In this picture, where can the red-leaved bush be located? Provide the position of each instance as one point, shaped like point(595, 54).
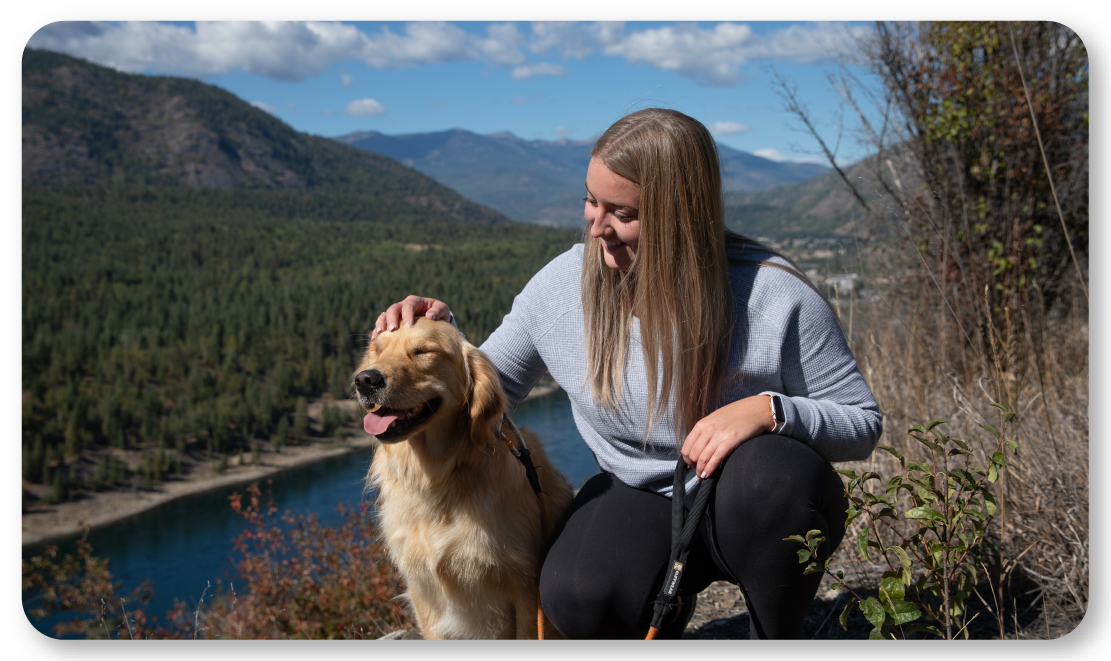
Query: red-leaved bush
point(303, 580)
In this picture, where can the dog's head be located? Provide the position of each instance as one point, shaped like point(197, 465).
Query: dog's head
point(427, 377)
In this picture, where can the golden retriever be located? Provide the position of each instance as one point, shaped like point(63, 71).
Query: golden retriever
point(457, 513)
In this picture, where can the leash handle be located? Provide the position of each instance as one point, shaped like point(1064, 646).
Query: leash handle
point(683, 530)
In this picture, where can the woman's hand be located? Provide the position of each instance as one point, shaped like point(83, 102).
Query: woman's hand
point(721, 432)
point(407, 311)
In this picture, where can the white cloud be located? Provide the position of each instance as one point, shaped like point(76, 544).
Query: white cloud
point(345, 78)
point(519, 101)
point(726, 128)
point(771, 155)
point(810, 44)
point(527, 71)
point(779, 157)
point(286, 51)
point(714, 56)
point(365, 108)
point(422, 43)
point(264, 106)
point(283, 51)
point(709, 56)
point(561, 131)
point(571, 39)
point(289, 106)
point(502, 45)
point(294, 51)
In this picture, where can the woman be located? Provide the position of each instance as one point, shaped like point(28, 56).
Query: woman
point(668, 333)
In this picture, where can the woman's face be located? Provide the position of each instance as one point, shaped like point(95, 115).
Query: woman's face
point(612, 209)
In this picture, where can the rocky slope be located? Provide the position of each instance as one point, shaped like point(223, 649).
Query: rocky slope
point(87, 124)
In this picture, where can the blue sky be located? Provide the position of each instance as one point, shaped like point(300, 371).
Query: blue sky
point(537, 80)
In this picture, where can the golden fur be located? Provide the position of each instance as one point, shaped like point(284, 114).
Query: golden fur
point(456, 511)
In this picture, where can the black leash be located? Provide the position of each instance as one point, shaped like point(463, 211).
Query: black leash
point(523, 455)
point(683, 529)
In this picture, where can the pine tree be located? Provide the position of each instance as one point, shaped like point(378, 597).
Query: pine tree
point(301, 419)
point(100, 473)
point(159, 462)
point(282, 434)
point(73, 436)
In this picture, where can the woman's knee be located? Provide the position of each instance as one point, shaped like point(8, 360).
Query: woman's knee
point(572, 604)
point(600, 570)
point(772, 479)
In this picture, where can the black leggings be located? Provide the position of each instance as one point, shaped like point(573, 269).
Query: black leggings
point(608, 556)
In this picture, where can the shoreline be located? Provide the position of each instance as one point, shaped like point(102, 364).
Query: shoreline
point(99, 509)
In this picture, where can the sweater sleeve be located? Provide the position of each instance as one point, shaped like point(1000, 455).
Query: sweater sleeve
point(826, 402)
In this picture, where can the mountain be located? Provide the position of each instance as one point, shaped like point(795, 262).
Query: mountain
point(742, 172)
point(530, 181)
point(823, 206)
point(88, 124)
point(541, 181)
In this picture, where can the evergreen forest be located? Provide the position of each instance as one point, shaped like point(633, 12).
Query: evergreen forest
point(201, 320)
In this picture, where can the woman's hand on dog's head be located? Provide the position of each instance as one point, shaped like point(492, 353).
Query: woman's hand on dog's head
point(407, 311)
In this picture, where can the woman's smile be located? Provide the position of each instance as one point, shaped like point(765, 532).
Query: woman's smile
point(613, 211)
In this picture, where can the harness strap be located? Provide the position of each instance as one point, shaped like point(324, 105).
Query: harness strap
point(525, 457)
point(683, 530)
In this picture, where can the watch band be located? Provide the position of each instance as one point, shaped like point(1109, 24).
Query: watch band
point(779, 416)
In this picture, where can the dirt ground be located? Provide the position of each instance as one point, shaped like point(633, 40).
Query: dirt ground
point(721, 614)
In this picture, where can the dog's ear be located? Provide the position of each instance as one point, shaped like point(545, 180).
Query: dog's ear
point(485, 396)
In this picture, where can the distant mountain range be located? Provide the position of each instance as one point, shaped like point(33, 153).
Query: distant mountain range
point(824, 206)
point(88, 124)
point(541, 181)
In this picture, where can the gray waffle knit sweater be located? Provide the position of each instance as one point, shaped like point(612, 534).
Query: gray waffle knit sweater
point(787, 341)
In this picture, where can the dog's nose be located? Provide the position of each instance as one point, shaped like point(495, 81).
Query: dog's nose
point(368, 380)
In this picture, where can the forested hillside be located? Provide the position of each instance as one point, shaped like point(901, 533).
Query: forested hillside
point(194, 270)
point(194, 320)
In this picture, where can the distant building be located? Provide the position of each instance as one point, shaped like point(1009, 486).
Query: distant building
point(842, 283)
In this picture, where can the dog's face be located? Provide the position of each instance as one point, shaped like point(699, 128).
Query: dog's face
point(417, 378)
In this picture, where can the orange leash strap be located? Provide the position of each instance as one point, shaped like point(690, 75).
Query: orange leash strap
point(544, 532)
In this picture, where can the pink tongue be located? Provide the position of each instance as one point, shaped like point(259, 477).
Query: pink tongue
point(377, 424)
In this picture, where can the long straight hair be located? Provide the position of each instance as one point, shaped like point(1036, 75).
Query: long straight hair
point(678, 283)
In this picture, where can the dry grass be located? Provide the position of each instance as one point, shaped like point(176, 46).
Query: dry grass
point(912, 355)
point(921, 365)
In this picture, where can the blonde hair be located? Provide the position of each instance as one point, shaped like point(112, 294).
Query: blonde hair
point(678, 283)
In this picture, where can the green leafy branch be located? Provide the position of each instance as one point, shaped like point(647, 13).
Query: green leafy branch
point(953, 507)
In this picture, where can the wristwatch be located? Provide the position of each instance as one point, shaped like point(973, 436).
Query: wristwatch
point(778, 414)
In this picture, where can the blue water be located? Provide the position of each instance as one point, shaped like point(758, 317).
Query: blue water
point(185, 544)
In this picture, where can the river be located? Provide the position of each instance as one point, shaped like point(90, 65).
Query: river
point(185, 544)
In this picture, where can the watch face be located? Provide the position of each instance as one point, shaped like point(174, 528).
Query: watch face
point(777, 404)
